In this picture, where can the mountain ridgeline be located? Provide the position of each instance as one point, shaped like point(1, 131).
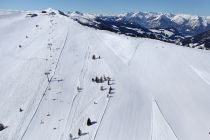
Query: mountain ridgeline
point(171, 28)
point(187, 30)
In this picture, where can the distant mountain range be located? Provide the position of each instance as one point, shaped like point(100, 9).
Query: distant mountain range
point(174, 28)
point(182, 29)
point(185, 24)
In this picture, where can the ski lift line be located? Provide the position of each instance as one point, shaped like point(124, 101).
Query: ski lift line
point(101, 119)
point(165, 118)
point(46, 88)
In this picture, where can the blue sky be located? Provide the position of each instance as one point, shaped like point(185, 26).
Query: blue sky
point(195, 7)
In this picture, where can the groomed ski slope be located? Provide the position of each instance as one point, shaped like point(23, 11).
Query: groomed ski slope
point(160, 91)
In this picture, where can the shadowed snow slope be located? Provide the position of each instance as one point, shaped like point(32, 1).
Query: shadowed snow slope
point(138, 89)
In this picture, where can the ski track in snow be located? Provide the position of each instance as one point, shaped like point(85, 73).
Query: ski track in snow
point(205, 76)
point(106, 107)
point(161, 135)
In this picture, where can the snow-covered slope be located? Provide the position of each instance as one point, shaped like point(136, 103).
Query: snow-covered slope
point(147, 89)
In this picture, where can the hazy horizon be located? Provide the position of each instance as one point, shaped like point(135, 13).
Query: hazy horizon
point(192, 7)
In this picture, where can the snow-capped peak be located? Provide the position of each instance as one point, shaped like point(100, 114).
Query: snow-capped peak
point(76, 13)
point(51, 10)
point(196, 24)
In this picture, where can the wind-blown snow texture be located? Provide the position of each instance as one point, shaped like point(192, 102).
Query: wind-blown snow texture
point(161, 91)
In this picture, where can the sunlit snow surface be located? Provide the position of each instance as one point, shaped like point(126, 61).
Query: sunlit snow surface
point(161, 91)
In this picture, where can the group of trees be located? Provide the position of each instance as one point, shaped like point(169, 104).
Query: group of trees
point(94, 57)
point(101, 79)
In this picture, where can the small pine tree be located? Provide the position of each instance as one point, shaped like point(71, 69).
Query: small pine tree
point(110, 90)
point(21, 110)
point(109, 82)
point(89, 123)
point(97, 80)
point(101, 80)
point(2, 127)
point(79, 132)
